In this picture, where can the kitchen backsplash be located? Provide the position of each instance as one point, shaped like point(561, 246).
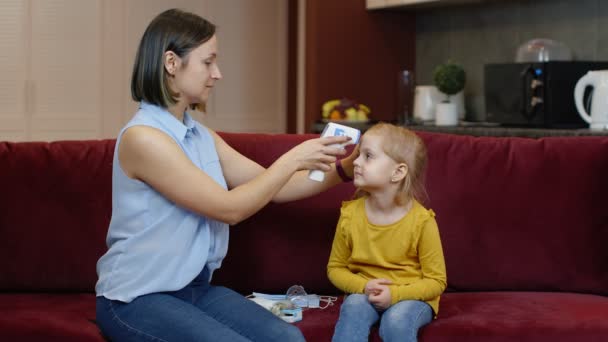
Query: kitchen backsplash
point(474, 35)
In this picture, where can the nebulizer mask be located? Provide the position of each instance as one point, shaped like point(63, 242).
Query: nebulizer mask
point(290, 305)
point(297, 295)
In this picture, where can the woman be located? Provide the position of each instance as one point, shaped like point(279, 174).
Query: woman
point(176, 186)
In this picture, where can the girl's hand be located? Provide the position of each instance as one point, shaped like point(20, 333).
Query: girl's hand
point(374, 286)
point(317, 154)
point(381, 300)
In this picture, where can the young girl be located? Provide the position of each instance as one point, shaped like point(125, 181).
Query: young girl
point(387, 252)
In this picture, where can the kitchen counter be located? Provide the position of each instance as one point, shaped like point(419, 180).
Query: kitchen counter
point(483, 129)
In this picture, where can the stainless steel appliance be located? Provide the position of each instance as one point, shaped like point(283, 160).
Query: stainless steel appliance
point(535, 94)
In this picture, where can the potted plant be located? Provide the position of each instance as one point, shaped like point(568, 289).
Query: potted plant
point(449, 78)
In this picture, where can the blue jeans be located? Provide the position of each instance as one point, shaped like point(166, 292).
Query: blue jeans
point(400, 322)
point(198, 312)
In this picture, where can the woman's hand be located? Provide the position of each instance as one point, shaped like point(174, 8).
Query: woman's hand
point(317, 154)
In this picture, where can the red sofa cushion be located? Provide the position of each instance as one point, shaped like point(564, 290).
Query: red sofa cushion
point(480, 316)
point(521, 214)
point(494, 316)
point(55, 207)
point(48, 317)
point(519, 316)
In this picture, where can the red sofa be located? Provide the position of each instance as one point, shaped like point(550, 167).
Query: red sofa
point(524, 225)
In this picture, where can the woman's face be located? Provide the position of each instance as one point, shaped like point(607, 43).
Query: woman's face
point(196, 73)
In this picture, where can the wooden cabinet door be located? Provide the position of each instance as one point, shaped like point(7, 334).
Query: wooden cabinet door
point(372, 4)
point(14, 83)
point(252, 39)
point(390, 3)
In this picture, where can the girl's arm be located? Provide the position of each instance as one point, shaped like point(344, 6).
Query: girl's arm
point(337, 268)
point(434, 279)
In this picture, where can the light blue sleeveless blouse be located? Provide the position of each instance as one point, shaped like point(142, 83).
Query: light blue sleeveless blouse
point(153, 244)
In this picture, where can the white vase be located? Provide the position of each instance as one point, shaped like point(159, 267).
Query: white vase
point(446, 114)
point(458, 99)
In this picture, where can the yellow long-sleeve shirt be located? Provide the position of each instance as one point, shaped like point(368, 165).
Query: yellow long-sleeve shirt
point(407, 252)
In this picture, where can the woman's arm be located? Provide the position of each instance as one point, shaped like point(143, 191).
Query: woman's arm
point(149, 155)
point(300, 186)
point(238, 170)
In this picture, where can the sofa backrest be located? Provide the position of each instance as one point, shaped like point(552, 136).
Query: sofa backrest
point(521, 214)
point(514, 214)
point(55, 206)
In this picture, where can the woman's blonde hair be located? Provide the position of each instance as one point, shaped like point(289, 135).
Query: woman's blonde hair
point(403, 146)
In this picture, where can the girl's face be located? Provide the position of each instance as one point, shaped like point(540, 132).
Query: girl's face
point(195, 74)
point(373, 169)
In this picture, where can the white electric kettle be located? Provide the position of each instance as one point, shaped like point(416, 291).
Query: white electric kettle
point(598, 118)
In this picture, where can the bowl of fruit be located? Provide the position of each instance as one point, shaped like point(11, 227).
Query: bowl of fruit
point(345, 109)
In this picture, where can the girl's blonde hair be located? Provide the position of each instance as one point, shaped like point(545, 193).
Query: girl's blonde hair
point(403, 146)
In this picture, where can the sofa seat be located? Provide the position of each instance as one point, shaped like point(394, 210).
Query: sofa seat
point(519, 316)
point(495, 316)
point(474, 316)
point(48, 317)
